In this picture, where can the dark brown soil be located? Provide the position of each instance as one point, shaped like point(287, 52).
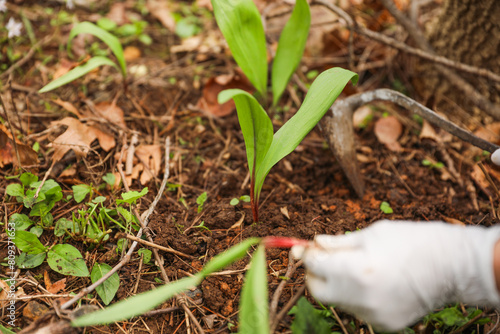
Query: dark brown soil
point(304, 195)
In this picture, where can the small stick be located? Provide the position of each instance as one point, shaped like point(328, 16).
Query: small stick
point(152, 244)
point(138, 274)
point(129, 165)
point(44, 179)
point(341, 324)
point(277, 293)
point(288, 306)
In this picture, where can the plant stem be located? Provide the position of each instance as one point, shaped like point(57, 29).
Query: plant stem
point(253, 202)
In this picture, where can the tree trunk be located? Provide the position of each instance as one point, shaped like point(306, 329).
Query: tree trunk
point(467, 31)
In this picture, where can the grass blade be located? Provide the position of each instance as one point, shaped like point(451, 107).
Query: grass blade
point(77, 72)
point(254, 308)
point(323, 92)
point(240, 23)
point(103, 35)
point(233, 254)
point(107, 290)
point(290, 48)
point(146, 301)
point(138, 304)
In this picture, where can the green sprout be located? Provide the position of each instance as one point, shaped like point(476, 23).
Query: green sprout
point(265, 149)
point(111, 41)
point(241, 25)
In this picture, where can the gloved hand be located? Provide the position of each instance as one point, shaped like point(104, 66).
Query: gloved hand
point(394, 272)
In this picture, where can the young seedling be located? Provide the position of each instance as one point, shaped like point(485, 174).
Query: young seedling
point(94, 62)
point(264, 149)
point(241, 25)
point(235, 201)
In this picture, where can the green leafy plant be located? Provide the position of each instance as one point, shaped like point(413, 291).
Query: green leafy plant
point(264, 149)
point(241, 25)
point(309, 319)
point(111, 41)
point(63, 258)
point(450, 319)
point(200, 200)
point(253, 312)
point(235, 201)
point(385, 207)
point(431, 164)
point(48, 195)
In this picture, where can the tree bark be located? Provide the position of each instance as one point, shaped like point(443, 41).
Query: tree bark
point(467, 31)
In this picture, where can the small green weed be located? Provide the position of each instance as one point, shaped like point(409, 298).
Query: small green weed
point(110, 40)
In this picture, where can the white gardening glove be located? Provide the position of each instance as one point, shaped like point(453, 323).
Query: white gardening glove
point(394, 272)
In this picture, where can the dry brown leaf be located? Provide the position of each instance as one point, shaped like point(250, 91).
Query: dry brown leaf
point(56, 287)
point(78, 138)
point(151, 156)
point(34, 310)
point(131, 53)
point(8, 155)
point(428, 132)
point(239, 222)
point(4, 296)
point(284, 212)
point(208, 101)
point(387, 130)
point(117, 13)
point(111, 112)
point(360, 115)
point(65, 66)
point(478, 176)
point(490, 132)
point(160, 10)
point(68, 106)
point(68, 172)
point(453, 221)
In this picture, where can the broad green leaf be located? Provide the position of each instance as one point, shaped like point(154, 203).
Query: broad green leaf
point(255, 125)
point(125, 214)
point(21, 221)
point(29, 200)
point(63, 225)
point(138, 304)
point(231, 255)
point(308, 319)
point(254, 313)
point(28, 178)
point(15, 190)
point(241, 25)
point(27, 261)
point(386, 208)
point(36, 230)
point(110, 179)
point(323, 92)
point(28, 242)
point(290, 48)
point(132, 196)
point(106, 24)
point(77, 72)
point(107, 290)
point(103, 35)
point(67, 260)
point(80, 191)
point(146, 255)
